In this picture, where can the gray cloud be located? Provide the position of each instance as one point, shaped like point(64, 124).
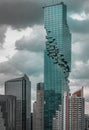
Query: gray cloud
point(35, 42)
point(20, 13)
point(76, 5)
point(80, 71)
point(78, 26)
point(27, 62)
point(2, 34)
point(80, 48)
point(23, 62)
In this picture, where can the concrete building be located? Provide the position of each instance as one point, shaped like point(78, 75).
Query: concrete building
point(65, 122)
point(7, 112)
point(40, 107)
point(86, 123)
point(34, 115)
point(57, 120)
point(21, 88)
point(76, 111)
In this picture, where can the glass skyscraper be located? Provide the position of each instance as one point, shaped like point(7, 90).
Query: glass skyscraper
point(21, 88)
point(57, 58)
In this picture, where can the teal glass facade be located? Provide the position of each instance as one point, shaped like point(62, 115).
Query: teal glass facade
point(57, 59)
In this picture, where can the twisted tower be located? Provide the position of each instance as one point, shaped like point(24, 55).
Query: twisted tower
point(57, 58)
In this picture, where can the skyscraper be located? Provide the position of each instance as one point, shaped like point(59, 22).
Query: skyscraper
point(57, 120)
point(65, 120)
point(7, 112)
point(40, 107)
point(76, 111)
point(21, 88)
point(86, 122)
point(57, 58)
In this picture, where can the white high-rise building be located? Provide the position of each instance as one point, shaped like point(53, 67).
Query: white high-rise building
point(57, 120)
point(65, 120)
point(76, 111)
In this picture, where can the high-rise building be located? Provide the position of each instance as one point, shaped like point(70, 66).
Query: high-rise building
point(86, 122)
point(40, 107)
point(7, 112)
point(57, 120)
point(21, 88)
point(34, 115)
point(76, 111)
point(57, 58)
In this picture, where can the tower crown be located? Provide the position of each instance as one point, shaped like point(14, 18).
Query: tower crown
point(53, 2)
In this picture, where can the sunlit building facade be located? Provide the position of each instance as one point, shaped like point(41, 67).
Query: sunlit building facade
point(57, 58)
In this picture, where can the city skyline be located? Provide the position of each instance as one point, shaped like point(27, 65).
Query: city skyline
point(10, 52)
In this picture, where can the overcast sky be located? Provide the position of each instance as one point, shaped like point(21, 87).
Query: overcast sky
point(22, 41)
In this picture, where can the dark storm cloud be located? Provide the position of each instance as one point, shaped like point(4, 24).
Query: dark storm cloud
point(21, 13)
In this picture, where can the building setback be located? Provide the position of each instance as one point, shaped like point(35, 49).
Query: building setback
point(7, 112)
point(21, 88)
point(40, 107)
point(57, 58)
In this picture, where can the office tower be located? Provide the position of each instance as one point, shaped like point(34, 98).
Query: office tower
point(76, 111)
point(40, 107)
point(34, 115)
point(7, 112)
point(86, 122)
point(57, 120)
point(21, 88)
point(57, 58)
